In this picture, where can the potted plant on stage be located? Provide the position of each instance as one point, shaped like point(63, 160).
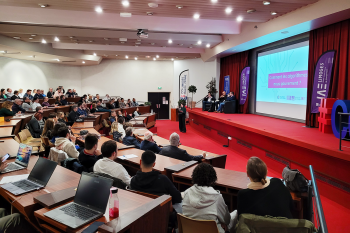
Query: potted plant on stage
point(211, 86)
point(192, 89)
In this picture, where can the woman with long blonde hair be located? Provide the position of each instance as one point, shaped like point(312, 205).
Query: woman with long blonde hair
point(6, 109)
point(20, 93)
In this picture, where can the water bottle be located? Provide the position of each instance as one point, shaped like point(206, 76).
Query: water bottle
point(114, 204)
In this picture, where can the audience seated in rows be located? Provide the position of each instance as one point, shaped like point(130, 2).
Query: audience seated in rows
point(58, 93)
point(107, 164)
point(63, 100)
point(54, 132)
point(129, 138)
point(149, 144)
point(28, 94)
point(48, 128)
point(61, 118)
point(113, 117)
point(134, 102)
point(73, 115)
point(38, 94)
point(70, 93)
point(27, 104)
point(35, 103)
point(136, 112)
point(20, 93)
point(3, 94)
point(6, 109)
point(50, 93)
point(9, 93)
point(173, 150)
point(16, 107)
point(45, 103)
point(34, 126)
point(121, 103)
point(15, 95)
point(89, 156)
point(66, 142)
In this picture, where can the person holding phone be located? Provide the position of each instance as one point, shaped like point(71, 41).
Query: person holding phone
point(3, 163)
point(182, 118)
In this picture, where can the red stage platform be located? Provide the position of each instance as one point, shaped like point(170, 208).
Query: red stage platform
point(280, 143)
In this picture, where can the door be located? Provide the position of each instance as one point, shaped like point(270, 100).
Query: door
point(160, 103)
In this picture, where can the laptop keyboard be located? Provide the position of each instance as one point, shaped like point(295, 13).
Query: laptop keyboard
point(12, 167)
point(25, 185)
point(79, 211)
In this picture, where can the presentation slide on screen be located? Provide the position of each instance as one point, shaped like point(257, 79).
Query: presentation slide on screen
point(282, 76)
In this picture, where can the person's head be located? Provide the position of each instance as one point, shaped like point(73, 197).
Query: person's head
point(29, 92)
point(20, 90)
point(113, 114)
point(60, 115)
point(26, 99)
point(34, 91)
point(39, 109)
point(57, 127)
point(15, 93)
point(127, 105)
point(119, 113)
point(133, 100)
point(137, 109)
point(121, 120)
point(80, 105)
point(148, 160)
point(91, 142)
point(8, 105)
point(94, 105)
point(84, 97)
point(75, 108)
point(109, 149)
point(181, 105)
point(174, 139)
point(231, 93)
point(98, 103)
point(50, 89)
point(69, 90)
point(38, 91)
point(63, 132)
point(148, 136)
point(49, 125)
point(36, 100)
point(9, 90)
point(122, 99)
point(42, 91)
point(111, 101)
point(38, 116)
point(62, 97)
point(224, 93)
point(59, 89)
point(2, 91)
point(129, 100)
point(129, 131)
point(53, 116)
point(74, 90)
point(97, 96)
point(57, 98)
point(209, 94)
point(18, 101)
point(256, 170)
point(46, 99)
point(204, 175)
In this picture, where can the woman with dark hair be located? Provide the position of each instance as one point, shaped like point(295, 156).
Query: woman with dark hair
point(58, 102)
point(47, 131)
point(203, 202)
point(54, 132)
point(34, 125)
point(3, 94)
point(264, 196)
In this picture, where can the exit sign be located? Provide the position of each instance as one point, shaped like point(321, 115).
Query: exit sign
point(159, 88)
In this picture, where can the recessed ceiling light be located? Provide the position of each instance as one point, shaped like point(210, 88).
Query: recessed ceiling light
point(153, 5)
point(98, 9)
point(170, 41)
point(149, 13)
point(249, 11)
point(154, 59)
point(135, 58)
point(71, 37)
point(83, 62)
point(152, 43)
point(30, 38)
point(266, 3)
point(208, 45)
point(116, 55)
point(91, 41)
point(43, 5)
point(273, 13)
point(148, 56)
point(157, 56)
point(43, 41)
point(125, 14)
point(172, 59)
point(94, 54)
point(199, 42)
point(56, 39)
point(179, 6)
point(125, 3)
point(137, 42)
point(285, 32)
point(123, 39)
point(17, 37)
point(228, 10)
point(105, 38)
point(126, 56)
point(214, 1)
point(57, 59)
point(122, 42)
point(239, 18)
point(196, 16)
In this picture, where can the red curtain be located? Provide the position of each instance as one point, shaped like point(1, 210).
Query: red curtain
point(337, 37)
point(233, 65)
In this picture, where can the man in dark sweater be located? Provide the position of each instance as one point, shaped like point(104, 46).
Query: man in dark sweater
point(129, 139)
point(153, 182)
point(89, 156)
point(16, 107)
point(73, 115)
point(149, 144)
point(173, 151)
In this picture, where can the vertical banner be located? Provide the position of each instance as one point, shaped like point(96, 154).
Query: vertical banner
point(244, 85)
point(322, 79)
point(184, 84)
point(227, 84)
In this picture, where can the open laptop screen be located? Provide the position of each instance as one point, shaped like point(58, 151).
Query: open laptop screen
point(93, 191)
point(23, 155)
point(42, 171)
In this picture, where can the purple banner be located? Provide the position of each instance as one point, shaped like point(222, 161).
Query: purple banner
point(322, 79)
point(244, 85)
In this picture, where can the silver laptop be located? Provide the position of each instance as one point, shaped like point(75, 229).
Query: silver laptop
point(22, 159)
point(89, 203)
point(37, 179)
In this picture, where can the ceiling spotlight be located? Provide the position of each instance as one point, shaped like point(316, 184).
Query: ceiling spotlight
point(94, 54)
point(33, 35)
point(43, 41)
point(122, 42)
point(153, 5)
point(135, 58)
point(172, 59)
point(43, 5)
point(170, 41)
point(83, 62)
point(71, 37)
point(154, 59)
point(98, 9)
point(249, 11)
point(228, 10)
point(148, 56)
point(56, 39)
point(126, 56)
point(179, 6)
point(157, 56)
point(105, 38)
point(17, 37)
point(239, 18)
point(116, 55)
point(125, 3)
point(30, 38)
point(196, 16)
point(214, 1)
point(273, 13)
point(199, 42)
point(149, 13)
point(266, 3)
point(91, 41)
point(208, 45)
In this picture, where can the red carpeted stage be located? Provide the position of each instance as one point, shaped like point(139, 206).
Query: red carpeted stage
point(280, 143)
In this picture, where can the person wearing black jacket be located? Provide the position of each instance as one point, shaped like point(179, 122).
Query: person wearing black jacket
point(16, 107)
point(149, 144)
point(222, 98)
point(15, 96)
point(34, 126)
point(63, 100)
point(73, 115)
point(89, 156)
point(208, 99)
point(153, 182)
point(173, 151)
point(129, 139)
point(182, 118)
point(50, 93)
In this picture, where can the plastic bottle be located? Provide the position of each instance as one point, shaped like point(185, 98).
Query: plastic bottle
point(114, 204)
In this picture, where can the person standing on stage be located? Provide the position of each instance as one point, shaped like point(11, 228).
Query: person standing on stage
point(182, 118)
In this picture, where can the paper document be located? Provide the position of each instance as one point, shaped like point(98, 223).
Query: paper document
point(9, 179)
point(127, 156)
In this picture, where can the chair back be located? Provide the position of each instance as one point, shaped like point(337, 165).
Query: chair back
point(189, 225)
point(118, 183)
point(27, 133)
point(57, 155)
point(17, 139)
point(22, 136)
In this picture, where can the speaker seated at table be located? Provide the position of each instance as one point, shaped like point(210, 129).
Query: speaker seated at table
point(230, 106)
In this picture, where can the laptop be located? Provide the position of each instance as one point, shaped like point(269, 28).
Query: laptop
point(89, 203)
point(22, 159)
point(37, 179)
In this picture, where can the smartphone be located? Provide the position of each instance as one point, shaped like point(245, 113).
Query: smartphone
point(5, 157)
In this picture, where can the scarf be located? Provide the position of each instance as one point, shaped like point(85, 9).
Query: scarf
point(258, 185)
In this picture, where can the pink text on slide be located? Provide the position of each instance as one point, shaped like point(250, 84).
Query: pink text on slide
point(295, 79)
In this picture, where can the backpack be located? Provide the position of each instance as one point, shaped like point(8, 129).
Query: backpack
point(117, 136)
point(295, 181)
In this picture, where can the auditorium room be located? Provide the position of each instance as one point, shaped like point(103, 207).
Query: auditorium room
point(213, 116)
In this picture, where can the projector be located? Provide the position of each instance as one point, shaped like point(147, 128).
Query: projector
point(142, 33)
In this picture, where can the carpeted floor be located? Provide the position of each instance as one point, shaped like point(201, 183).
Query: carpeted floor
point(336, 215)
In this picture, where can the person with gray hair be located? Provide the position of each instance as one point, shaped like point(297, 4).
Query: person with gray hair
point(149, 144)
point(16, 107)
point(129, 139)
point(173, 151)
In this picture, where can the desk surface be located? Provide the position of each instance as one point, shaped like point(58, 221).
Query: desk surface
point(128, 201)
point(91, 130)
point(10, 123)
point(6, 131)
point(9, 146)
point(83, 124)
